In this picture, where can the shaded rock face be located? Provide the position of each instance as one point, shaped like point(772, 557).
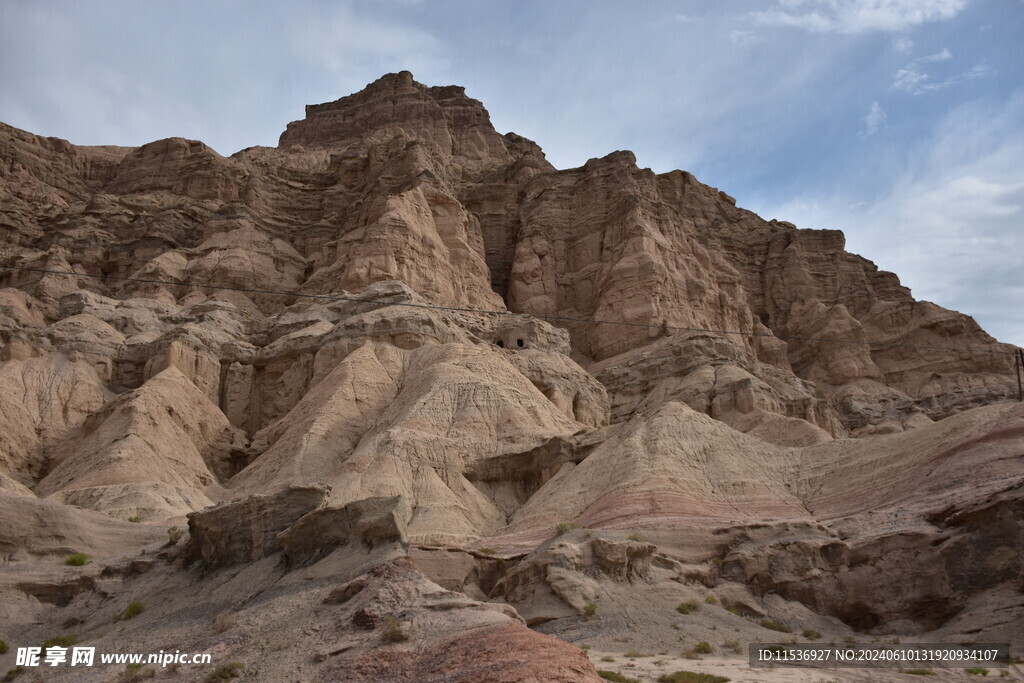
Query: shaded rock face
point(400, 332)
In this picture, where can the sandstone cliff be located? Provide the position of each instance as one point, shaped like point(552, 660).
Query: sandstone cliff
point(398, 301)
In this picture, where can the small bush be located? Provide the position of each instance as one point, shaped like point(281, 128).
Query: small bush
point(811, 634)
point(70, 622)
point(617, 677)
point(688, 607)
point(66, 640)
point(734, 610)
point(977, 671)
point(918, 672)
point(634, 654)
point(691, 677)
point(76, 560)
point(3, 648)
point(637, 537)
point(133, 610)
point(585, 648)
point(393, 631)
point(733, 645)
point(590, 609)
point(226, 672)
point(703, 647)
point(607, 659)
point(487, 551)
point(711, 600)
point(562, 527)
point(135, 673)
point(775, 626)
point(136, 519)
point(174, 534)
point(12, 674)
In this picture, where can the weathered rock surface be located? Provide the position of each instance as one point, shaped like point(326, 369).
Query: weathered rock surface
point(402, 332)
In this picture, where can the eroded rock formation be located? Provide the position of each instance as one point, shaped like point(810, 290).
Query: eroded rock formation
point(571, 391)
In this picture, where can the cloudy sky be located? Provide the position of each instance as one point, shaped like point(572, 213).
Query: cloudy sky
point(900, 122)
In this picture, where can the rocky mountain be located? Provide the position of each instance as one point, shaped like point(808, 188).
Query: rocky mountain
point(410, 388)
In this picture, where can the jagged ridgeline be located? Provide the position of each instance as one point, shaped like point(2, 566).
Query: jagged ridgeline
point(594, 388)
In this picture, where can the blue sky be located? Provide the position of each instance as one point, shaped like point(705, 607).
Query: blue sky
point(900, 122)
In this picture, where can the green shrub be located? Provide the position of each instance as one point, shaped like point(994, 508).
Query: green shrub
point(775, 626)
point(811, 634)
point(617, 677)
point(711, 600)
point(12, 674)
point(634, 654)
point(562, 527)
point(733, 645)
point(226, 672)
point(393, 631)
point(590, 609)
point(66, 640)
point(977, 671)
point(607, 659)
point(136, 519)
point(486, 551)
point(174, 534)
point(3, 648)
point(133, 610)
point(77, 559)
point(703, 647)
point(691, 677)
point(637, 537)
point(688, 607)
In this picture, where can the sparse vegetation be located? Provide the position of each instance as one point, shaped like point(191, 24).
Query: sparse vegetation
point(133, 610)
point(174, 534)
point(734, 610)
point(637, 537)
point(617, 677)
point(486, 551)
point(688, 607)
point(70, 622)
point(733, 645)
point(711, 600)
point(775, 626)
point(590, 609)
point(585, 648)
point(135, 519)
point(134, 673)
point(222, 622)
point(607, 659)
point(3, 648)
point(691, 677)
point(12, 674)
point(811, 634)
point(226, 672)
point(66, 640)
point(392, 631)
point(703, 647)
point(977, 671)
point(917, 672)
point(76, 560)
point(634, 654)
point(562, 527)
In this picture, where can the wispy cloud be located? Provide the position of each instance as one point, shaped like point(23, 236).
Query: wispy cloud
point(903, 44)
point(950, 224)
point(858, 16)
point(873, 120)
point(915, 79)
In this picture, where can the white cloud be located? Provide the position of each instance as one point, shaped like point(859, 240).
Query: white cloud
point(344, 41)
point(903, 44)
point(873, 120)
point(950, 225)
point(914, 78)
point(858, 16)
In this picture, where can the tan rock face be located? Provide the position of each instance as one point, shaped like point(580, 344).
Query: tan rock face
point(401, 329)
